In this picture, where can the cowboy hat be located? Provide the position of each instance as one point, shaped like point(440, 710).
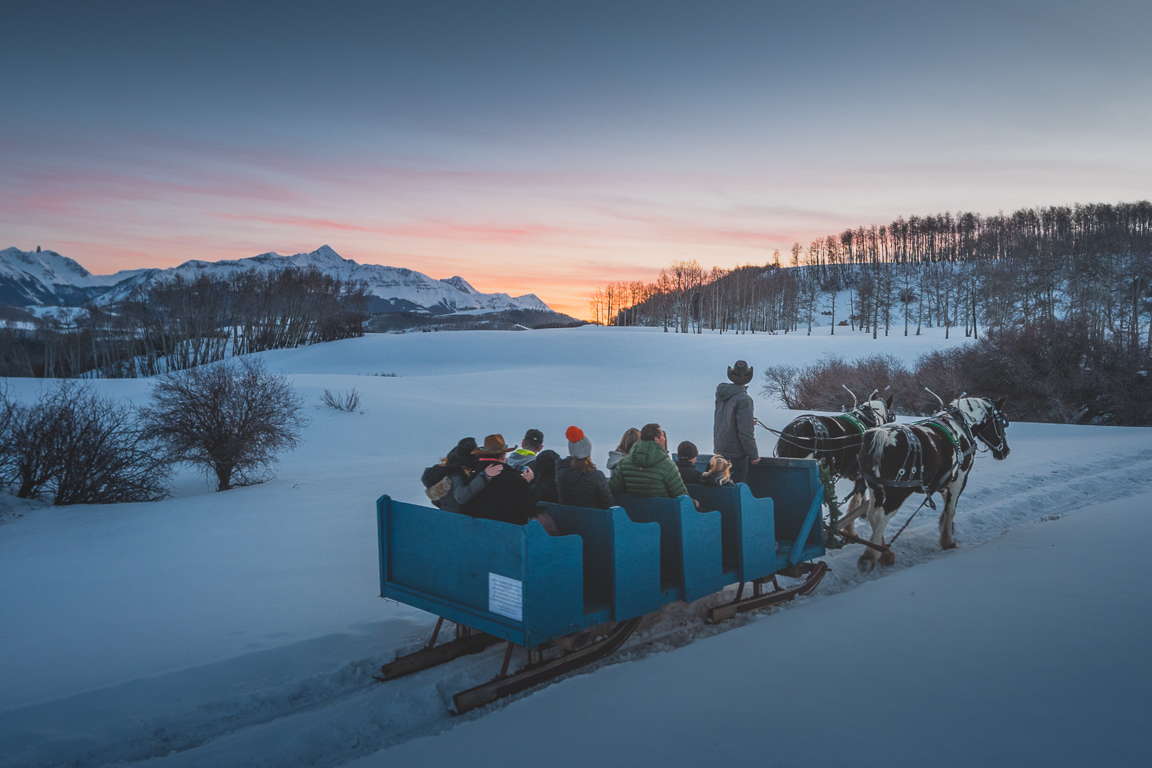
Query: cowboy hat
point(740, 373)
point(493, 446)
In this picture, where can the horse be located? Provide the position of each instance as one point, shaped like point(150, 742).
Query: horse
point(931, 456)
point(835, 442)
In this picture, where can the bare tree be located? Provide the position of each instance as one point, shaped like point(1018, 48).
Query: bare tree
point(780, 382)
point(229, 419)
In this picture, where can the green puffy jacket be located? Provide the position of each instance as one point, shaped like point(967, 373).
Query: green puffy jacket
point(647, 470)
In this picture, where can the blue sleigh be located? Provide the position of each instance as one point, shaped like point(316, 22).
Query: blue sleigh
point(603, 573)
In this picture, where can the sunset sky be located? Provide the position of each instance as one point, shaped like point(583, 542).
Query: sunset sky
point(551, 147)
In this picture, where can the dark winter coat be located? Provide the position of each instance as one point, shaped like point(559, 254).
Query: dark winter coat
point(463, 489)
point(452, 488)
point(506, 497)
point(715, 480)
point(544, 483)
point(647, 470)
point(733, 427)
point(582, 489)
point(688, 471)
point(434, 474)
point(447, 484)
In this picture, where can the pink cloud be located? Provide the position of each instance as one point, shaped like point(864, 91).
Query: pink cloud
point(431, 230)
point(72, 186)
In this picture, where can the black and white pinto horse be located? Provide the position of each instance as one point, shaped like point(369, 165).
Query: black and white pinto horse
point(932, 456)
point(835, 441)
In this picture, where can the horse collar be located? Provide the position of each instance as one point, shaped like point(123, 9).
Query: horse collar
point(945, 431)
point(854, 421)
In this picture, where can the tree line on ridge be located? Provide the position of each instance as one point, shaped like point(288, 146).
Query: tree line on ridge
point(1089, 264)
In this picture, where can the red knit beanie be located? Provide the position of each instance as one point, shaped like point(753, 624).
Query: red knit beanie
point(579, 446)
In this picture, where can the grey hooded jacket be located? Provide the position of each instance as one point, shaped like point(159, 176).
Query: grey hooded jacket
point(733, 429)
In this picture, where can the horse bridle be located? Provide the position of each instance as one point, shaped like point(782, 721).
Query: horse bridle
point(1000, 424)
point(874, 420)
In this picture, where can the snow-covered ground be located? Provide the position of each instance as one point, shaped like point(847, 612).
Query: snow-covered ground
point(243, 628)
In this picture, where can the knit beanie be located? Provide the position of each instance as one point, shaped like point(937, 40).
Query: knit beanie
point(579, 446)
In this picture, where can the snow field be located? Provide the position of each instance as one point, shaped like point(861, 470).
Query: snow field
point(1004, 655)
point(242, 628)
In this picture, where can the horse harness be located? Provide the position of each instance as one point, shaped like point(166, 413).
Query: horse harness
point(858, 417)
point(911, 473)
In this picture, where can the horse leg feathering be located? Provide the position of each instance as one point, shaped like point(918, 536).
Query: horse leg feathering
point(878, 518)
point(858, 505)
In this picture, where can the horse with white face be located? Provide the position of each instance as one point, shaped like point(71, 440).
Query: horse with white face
point(931, 456)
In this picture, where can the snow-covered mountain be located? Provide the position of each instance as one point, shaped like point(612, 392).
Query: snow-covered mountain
point(46, 278)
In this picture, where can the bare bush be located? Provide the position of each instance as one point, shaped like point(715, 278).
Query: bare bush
point(1055, 372)
point(342, 401)
point(32, 453)
point(820, 386)
point(229, 419)
point(102, 456)
point(79, 448)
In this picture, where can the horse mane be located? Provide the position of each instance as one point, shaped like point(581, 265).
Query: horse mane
point(875, 441)
point(975, 409)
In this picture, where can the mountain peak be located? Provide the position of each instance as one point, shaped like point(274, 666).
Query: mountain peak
point(53, 266)
point(459, 284)
point(49, 279)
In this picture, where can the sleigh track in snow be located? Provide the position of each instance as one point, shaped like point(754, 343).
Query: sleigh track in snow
point(342, 715)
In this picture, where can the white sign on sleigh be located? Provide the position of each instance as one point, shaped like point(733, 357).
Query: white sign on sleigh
point(506, 596)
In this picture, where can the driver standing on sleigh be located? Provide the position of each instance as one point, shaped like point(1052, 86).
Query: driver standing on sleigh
point(733, 427)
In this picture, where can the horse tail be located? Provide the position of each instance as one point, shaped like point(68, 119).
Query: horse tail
point(872, 445)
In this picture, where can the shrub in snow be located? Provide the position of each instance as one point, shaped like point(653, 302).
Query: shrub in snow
point(347, 401)
point(79, 448)
point(820, 386)
point(1051, 372)
point(229, 419)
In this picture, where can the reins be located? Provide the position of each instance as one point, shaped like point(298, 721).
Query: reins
point(820, 439)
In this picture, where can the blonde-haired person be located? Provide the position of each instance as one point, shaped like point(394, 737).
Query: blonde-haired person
point(578, 482)
point(719, 472)
point(630, 438)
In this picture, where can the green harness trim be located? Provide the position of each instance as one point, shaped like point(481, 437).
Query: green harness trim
point(947, 432)
point(853, 421)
